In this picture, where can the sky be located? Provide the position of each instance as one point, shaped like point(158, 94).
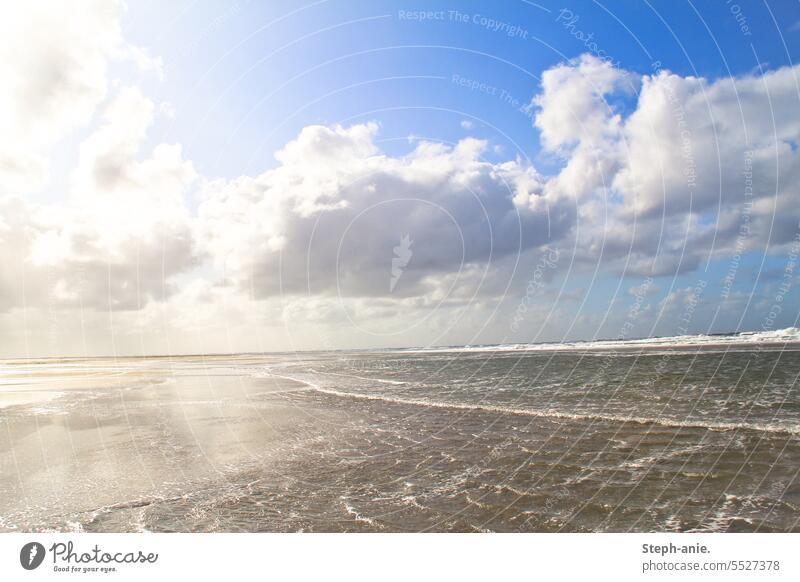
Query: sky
point(206, 177)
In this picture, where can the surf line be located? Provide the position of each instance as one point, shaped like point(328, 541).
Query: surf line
point(718, 426)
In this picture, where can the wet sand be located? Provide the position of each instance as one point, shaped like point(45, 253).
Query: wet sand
point(114, 440)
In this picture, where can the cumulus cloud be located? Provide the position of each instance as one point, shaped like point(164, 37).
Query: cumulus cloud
point(53, 64)
point(690, 141)
point(572, 106)
point(678, 173)
point(327, 219)
point(127, 232)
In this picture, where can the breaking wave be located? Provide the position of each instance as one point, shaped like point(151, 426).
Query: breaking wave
point(745, 338)
point(666, 422)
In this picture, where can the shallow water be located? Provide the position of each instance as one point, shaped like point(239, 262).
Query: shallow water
point(484, 440)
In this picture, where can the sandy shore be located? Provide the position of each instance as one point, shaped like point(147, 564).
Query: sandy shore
point(113, 436)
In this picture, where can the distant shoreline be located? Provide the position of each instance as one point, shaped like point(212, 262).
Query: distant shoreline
point(788, 338)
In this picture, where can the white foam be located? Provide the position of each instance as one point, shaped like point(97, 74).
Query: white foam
point(358, 516)
point(781, 336)
point(27, 397)
point(719, 426)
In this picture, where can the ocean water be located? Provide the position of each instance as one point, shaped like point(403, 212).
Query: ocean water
point(686, 434)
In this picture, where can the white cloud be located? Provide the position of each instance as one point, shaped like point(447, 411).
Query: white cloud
point(689, 139)
point(53, 62)
point(655, 170)
point(126, 233)
point(326, 219)
point(572, 109)
point(667, 180)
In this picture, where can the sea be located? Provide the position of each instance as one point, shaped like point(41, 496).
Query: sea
point(683, 434)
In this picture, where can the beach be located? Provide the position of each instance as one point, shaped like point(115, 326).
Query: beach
point(646, 438)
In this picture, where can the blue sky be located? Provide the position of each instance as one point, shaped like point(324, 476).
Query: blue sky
point(238, 175)
point(243, 69)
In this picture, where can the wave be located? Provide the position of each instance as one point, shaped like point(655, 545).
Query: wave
point(745, 338)
point(666, 422)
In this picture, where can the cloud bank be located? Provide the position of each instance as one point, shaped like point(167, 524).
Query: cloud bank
point(656, 174)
